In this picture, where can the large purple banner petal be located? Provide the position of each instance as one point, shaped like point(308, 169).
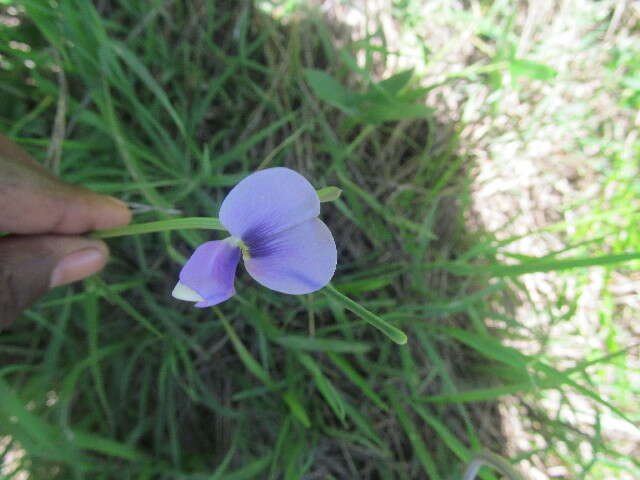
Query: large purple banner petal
point(299, 260)
point(267, 202)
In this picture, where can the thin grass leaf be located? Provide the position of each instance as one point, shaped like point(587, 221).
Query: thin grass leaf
point(325, 386)
point(315, 344)
point(490, 347)
point(297, 408)
point(479, 394)
point(357, 379)
point(562, 378)
point(106, 446)
point(365, 284)
point(283, 435)
point(224, 464)
point(117, 299)
point(239, 150)
point(92, 313)
point(414, 436)
point(449, 439)
point(251, 470)
point(247, 359)
point(290, 398)
point(145, 76)
point(541, 265)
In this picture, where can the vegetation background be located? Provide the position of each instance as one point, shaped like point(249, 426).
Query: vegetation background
point(489, 155)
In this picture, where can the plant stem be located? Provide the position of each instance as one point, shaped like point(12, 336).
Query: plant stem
point(207, 223)
point(385, 327)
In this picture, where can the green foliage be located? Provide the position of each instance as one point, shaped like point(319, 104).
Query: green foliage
point(519, 67)
point(168, 105)
point(626, 61)
point(385, 101)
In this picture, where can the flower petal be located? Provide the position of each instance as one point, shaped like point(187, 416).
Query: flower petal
point(182, 292)
point(208, 275)
point(299, 260)
point(267, 202)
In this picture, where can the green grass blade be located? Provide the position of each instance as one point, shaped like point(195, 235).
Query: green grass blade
point(325, 386)
point(414, 436)
point(290, 398)
point(92, 313)
point(313, 344)
point(357, 379)
point(251, 470)
point(479, 394)
point(449, 439)
point(541, 265)
point(145, 76)
point(245, 356)
point(489, 347)
point(296, 407)
point(562, 378)
point(105, 446)
point(117, 299)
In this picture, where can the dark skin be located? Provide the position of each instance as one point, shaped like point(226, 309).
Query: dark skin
point(46, 218)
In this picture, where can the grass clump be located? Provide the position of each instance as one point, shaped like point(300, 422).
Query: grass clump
point(169, 105)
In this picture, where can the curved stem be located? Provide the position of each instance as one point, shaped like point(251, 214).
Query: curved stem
point(492, 460)
point(327, 194)
point(385, 327)
point(206, 223)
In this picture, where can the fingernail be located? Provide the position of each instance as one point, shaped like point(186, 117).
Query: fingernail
point(116, 201)
point(77, 265)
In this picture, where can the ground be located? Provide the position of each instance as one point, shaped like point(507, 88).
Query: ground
point(477, 188)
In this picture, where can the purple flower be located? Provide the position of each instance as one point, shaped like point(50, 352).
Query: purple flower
point(272, 216)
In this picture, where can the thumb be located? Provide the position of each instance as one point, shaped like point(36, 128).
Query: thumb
point(31, 265)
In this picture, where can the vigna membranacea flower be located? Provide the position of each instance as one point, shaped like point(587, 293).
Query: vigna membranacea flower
point(272, 216)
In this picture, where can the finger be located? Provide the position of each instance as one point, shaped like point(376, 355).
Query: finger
point(32, 200)
point(31, 265)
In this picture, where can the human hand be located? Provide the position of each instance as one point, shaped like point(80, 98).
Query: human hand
point(44, 217)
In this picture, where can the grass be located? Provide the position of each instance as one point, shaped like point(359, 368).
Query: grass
point(168, 104)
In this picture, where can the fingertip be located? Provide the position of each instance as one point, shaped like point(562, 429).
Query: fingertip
point(31, 264)
point(104, 212)
point(116, 202)
point(73, 209)
point(78, 265)
point(120, 213)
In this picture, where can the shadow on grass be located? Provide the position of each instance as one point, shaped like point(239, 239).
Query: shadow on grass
point(172, 105)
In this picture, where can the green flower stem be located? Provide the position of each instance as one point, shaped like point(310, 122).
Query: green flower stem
point(385, 327)
point(492, 460)
point(206, 223)
point(327, 194)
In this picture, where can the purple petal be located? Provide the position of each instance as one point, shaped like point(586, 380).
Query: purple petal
point(209, 273)
point(299, 260)
point(267, 202)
